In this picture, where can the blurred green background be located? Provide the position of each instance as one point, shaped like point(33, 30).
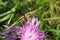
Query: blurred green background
point(47, 12)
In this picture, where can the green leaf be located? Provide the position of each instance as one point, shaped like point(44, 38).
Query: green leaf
point(11, 16)
point(8, 12)
point(42, 2)
point(5, 18)
point(3, 14)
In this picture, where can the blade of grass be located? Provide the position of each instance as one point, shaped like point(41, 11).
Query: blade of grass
point(53, 18)
point(5, 18)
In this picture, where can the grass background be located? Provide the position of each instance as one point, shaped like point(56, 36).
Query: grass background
point(47, 11)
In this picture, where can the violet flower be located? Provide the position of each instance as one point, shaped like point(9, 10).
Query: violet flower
point(10, 34)
point(29, 31)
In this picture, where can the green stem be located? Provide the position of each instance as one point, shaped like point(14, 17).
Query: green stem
point(53, 18)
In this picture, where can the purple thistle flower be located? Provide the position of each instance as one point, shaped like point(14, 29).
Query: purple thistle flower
point(29, 31)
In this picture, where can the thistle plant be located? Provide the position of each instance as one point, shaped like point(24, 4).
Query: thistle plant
point(28, 31)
